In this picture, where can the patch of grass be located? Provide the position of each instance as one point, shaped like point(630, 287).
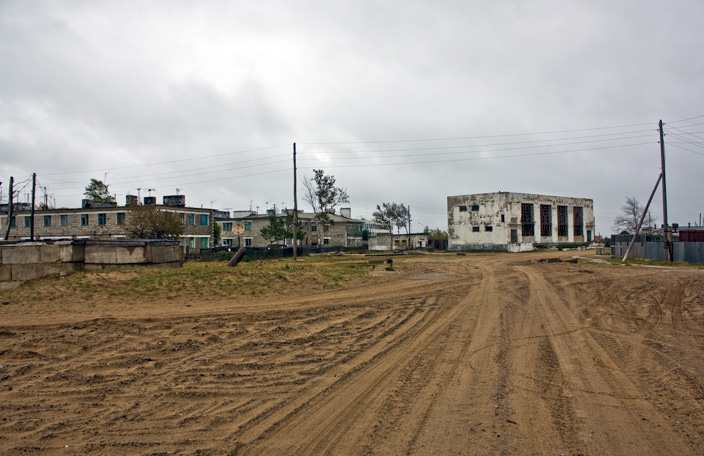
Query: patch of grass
point(195, 280)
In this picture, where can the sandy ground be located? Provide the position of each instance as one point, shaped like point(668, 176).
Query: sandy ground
point(453, 355)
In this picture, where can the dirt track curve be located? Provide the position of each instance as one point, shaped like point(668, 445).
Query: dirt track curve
point(453, 355)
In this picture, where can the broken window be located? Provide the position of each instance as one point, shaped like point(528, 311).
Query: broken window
point(488, 228)
point(527, 220)
point(475, 229)
point(503, 218)
point(545, 220)
point(562, 220)
point(578, 221)
point(463, 208)
point(475, 208)
point(120, 218)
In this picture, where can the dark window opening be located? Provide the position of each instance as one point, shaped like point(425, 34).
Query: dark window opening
point(562, 220)
point(578, 221)
point(488, 228)
point(463, 208)
point(47, 220)
point(84, 219)
point(120, 218)
point(102, 219)
point(545, 220)
point(503, 218)
point(475, 229)
point(527, 220)
point(475, 208)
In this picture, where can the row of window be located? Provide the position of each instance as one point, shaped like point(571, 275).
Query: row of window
point(227, 226)
point(102, 219)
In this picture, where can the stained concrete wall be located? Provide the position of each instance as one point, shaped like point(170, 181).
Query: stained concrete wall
point(485, 220)
point(21, 261)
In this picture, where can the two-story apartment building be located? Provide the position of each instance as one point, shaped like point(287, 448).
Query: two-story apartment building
point(343, 231)
point(97, 220)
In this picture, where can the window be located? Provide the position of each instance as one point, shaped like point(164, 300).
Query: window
point(488, 228)
point(27, 221)
point(192, 220)
point(326, 241)
point(203, 219)
point(47, 221)
point(13, 222)
point(227, 242)
point(248, 226)
point(314, 228)
point(306, 224)
point(463, 208)
point(503, 218)
point(475, 229)
point(248, 242)
point(120, 218)
point(475, 208)
point(546, 220)
point(64, 220)
point(562, 220)
point(326, 228)
point(192, 242)
point(527, 221)
point(182, 217)
point(84, 219)
point(204, 242)
point(578, 221)
point(102, 219)
point(227, 226)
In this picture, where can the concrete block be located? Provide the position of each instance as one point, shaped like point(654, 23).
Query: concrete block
point(5, 272)
point(130, 255)
point(100, 255)
point(21, 254)
point(72, 253)
point(50, 254)
point(156, 253)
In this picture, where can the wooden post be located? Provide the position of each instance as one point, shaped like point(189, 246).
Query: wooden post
point(295, 208)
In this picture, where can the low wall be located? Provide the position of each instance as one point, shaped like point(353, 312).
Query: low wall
point(21, 261)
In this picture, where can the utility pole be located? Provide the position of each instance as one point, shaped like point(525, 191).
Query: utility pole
point(34, 191)
point(9, 210)
point(295, 208)
point(409, 228)
point(667, 231)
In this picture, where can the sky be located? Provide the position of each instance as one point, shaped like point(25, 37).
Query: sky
point(401, 101)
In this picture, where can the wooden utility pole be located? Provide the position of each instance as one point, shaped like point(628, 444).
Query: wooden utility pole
point(9, 210)
point(295, 208)
point(34, 192)
point(667, 231)
point(640, 221)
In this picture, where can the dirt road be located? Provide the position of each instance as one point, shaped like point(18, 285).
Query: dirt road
point(463, 355)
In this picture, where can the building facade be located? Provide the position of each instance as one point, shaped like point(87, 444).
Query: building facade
point(517, 221)
point(343, 231)
point(106, 222)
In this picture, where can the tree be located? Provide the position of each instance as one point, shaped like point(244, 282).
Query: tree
point(386, 216)
point(148, 222)
point(289, 228)
point(98, 191)
point(402, 216)
point(275, 231)
point(435, 233)
point(217, 233)
point(323, 197)
point(631, 212)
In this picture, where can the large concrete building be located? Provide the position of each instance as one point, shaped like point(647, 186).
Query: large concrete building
point(517, 221)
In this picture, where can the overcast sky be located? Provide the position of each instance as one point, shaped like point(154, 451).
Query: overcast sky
point(402, 101)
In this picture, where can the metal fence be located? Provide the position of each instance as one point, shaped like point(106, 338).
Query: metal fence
point(688, 252)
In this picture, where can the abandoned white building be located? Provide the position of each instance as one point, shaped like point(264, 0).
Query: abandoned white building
point(517, 221)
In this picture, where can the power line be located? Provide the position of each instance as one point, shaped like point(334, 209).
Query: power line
point(476, 137)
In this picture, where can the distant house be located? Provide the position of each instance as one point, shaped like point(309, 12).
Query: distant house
point(517, 221)
point(344, 231)
point(107, 221)
point(400, 241)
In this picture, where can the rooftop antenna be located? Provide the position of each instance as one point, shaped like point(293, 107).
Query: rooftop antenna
point(178, 191)
point(150, 190)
